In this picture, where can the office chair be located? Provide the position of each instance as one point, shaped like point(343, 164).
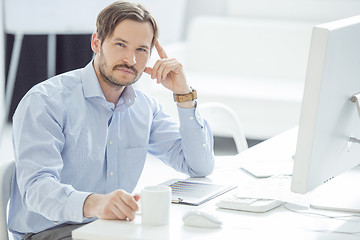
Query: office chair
point(6, 171)
point(224, 123)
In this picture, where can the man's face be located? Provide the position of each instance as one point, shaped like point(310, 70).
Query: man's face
point(123, 56)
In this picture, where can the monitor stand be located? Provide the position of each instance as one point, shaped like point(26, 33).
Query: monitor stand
point(340, 194)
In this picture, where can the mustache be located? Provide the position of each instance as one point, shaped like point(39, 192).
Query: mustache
point(132, 68)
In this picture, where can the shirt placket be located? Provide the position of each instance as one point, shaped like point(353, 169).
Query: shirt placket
point(112, 156)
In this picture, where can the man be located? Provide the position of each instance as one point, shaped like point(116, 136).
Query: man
point(81, 138)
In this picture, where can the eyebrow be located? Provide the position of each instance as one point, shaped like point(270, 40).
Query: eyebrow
point(124, 41)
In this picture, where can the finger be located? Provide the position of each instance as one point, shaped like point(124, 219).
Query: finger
point(119, 210)
point(160, 50)
point(121, 205)
point(128, 200)
point(116, 213)
point(155, 69)
point(160, 73)
point(111, 212)
point(148, 70)
point(137, 197)
point(166, 72)
point(111, 209)
point(126, 210)
point(159, 67)
point(166, 68)
point(132, 202)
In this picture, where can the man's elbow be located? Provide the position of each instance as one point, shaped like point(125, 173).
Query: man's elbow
point(203, 172)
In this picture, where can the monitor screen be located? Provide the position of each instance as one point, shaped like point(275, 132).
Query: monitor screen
point(329, 118)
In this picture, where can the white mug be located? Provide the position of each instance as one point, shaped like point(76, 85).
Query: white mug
point(155, 205)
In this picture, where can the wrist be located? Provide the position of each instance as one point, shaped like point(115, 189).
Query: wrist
point(190, 96)
point(188, 104)
point(183, 91)
point(90, 205)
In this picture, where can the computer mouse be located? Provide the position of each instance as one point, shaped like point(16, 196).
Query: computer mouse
point(201, 219)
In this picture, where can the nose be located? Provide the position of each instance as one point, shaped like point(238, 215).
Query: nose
point(129, 58)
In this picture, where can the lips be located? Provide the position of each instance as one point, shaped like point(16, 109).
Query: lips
point(126, 70)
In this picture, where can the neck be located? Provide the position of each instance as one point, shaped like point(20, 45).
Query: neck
point(111, 92)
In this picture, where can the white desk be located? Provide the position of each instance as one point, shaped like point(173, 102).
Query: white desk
point(279, 223)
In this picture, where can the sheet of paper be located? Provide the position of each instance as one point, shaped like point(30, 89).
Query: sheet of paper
point(276, 187)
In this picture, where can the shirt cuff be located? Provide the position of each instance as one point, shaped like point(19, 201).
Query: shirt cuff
point(75, 205)
point(190, 117)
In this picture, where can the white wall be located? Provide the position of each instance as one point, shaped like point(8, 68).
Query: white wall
point(311, 11)
point(195, 8)
point(170, 16)
point(262, 117)
point(44, 16)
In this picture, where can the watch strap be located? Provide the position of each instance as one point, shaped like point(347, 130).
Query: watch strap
point(185, 97)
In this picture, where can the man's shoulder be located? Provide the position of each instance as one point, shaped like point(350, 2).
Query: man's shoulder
point(58, 85)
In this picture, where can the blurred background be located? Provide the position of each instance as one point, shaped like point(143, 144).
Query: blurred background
point(249, 55)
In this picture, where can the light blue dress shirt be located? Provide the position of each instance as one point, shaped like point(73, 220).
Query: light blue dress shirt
point(70, 142)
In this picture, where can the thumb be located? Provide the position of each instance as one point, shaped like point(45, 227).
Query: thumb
point(137, 197)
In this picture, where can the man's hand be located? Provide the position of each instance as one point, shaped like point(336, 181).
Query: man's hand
point(169, 72)
point(115, 205)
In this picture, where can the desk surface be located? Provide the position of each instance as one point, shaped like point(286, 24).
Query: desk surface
point(280, 223)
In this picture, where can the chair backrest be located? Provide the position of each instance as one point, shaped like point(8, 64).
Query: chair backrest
point(6, 171)
point(224, 123)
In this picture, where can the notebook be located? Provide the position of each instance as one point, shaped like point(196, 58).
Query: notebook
point(193, 192)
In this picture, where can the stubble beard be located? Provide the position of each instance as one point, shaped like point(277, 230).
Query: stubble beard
point(113, 81)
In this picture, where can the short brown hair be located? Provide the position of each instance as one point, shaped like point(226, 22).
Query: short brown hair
point(118, 11)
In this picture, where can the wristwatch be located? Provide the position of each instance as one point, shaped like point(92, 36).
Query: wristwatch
point(186, 97)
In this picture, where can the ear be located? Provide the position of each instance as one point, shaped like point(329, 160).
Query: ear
point(95, 43)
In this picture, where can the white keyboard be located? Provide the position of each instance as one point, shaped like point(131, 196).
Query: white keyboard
point(234, 202)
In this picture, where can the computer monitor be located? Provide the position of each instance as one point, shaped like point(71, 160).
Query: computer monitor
point(330, 122)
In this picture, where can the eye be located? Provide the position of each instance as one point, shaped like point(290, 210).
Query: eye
point(120, 44)
point(142, 49)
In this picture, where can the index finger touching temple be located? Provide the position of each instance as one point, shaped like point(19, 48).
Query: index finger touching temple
point(160, 50)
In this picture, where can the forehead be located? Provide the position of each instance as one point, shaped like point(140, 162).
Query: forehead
point(133, 32)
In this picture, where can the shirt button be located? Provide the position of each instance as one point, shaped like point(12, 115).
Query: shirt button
point(110, 142)
point(204, 145)
point(191, 118)
point(74, 216)
point(111, 173)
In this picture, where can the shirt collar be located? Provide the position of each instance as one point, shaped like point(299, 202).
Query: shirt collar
point(90, 82)
point(127, 98)
point(91, 88)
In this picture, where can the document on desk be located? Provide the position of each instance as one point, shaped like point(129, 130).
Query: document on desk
point(263, 168)
point(276, 187)
point(193, 192)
